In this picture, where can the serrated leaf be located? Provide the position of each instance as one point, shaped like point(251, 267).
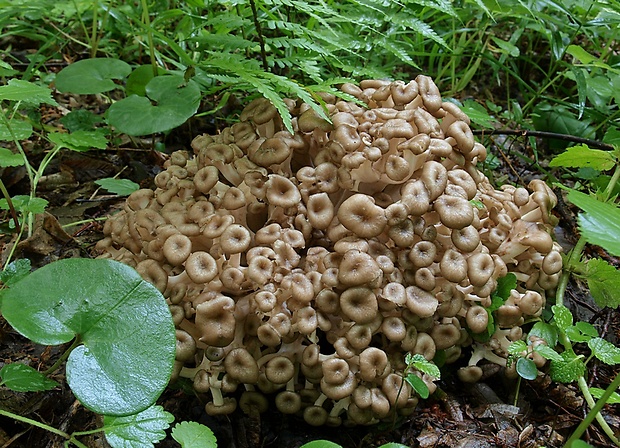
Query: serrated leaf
point(80, 120)
point(516, 348)
point(23, 378)
point(25, 204)
point(605, 351)
point(547, 352)
point(121, 187)
point(526, 369)
point(562, 316)
point(15, 271)
point(21, 130)
point(423, 365)
point(575, 335)
point(597, 393)
point(124, 324)
point(79, 140)
point(545, 331)
point(140, 430)
point(581, 156)
point(27, 92)
point(586, 329)
point(91, 76)
point(600, 224)
point(194, 435)
point(418, 385)
point(568, 370)
point(175, 102)
point(9, 158)
point(604, 283)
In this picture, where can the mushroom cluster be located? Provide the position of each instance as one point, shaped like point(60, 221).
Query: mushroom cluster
point(305, 266)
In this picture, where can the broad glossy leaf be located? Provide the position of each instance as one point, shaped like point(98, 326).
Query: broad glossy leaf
point(600, 224)
point(27, 92)
point(320, 444)
point(418, 385)
point(139, 78)
point(16, 270)
point(581, 156)
point(123, 322)
point(174, 102)
point(91, 76)
point(545, 331)
point(140, 430)
point(194, 435)
point(23, 378)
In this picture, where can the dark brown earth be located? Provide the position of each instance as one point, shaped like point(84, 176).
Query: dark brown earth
point(483, 415)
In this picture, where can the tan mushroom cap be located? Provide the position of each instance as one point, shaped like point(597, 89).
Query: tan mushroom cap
point(360, 215)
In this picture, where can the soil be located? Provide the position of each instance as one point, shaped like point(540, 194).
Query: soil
point(495, 412)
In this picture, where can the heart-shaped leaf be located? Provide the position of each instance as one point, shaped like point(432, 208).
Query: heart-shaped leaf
point(91, 76)
point(122, 320)
point(175, 102)
point(194, 435)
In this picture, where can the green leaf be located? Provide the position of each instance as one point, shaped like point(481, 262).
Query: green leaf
point(15, 271)
point(418, 385)
point(25, 204)
point(604, 283)
point(579, 444)
point(568, 370)
point(600, 224)
point(516, 348)
point(194, 435)
point(79, 140)
point(393, 445)
point(559, 119)
point(478, 114)
point(505, 285)
point(612, 136)
point(123, 322)
point(527, 369)
point(27, 92)
point(582, 156)
point(506, 47)
point(320, 444)
point(545, 331)
point(91, 76)
point(598, 393)
point(23, 378)
point(80, 120)
point(139, 78)
point(576, 335)
point(9, 158)
point(422, 364)
point(21, 129)
point(140, 430)
point(175, 104)
point(547, 352)
point(562, 316)
point(121, 187)
point(580, 53)
point(605, 351)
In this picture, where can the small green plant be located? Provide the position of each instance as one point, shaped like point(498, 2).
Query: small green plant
point(123, 342)
point(418, 363)
point(555, 341)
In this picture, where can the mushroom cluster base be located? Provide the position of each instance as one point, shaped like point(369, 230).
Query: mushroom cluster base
point(304, 267)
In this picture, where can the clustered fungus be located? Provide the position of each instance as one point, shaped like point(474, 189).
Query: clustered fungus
point(305, 266)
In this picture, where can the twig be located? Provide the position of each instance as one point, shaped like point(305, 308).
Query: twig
point(543, 134)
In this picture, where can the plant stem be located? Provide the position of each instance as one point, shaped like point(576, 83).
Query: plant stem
point(94, 42)
point(35, 423)
point(259, 33)
point(63, 357)
point(7, 196)
point(149, 34)
point(595, 412)
point(573, 259)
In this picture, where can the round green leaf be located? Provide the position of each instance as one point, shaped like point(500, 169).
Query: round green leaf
point(526, 368)
point(320, 444)
point(90, 76)
point(122, 320)
point(174, 102)
point(194, 435)
point(139, 78)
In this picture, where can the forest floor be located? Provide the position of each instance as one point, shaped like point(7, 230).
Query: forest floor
point(485, 414)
